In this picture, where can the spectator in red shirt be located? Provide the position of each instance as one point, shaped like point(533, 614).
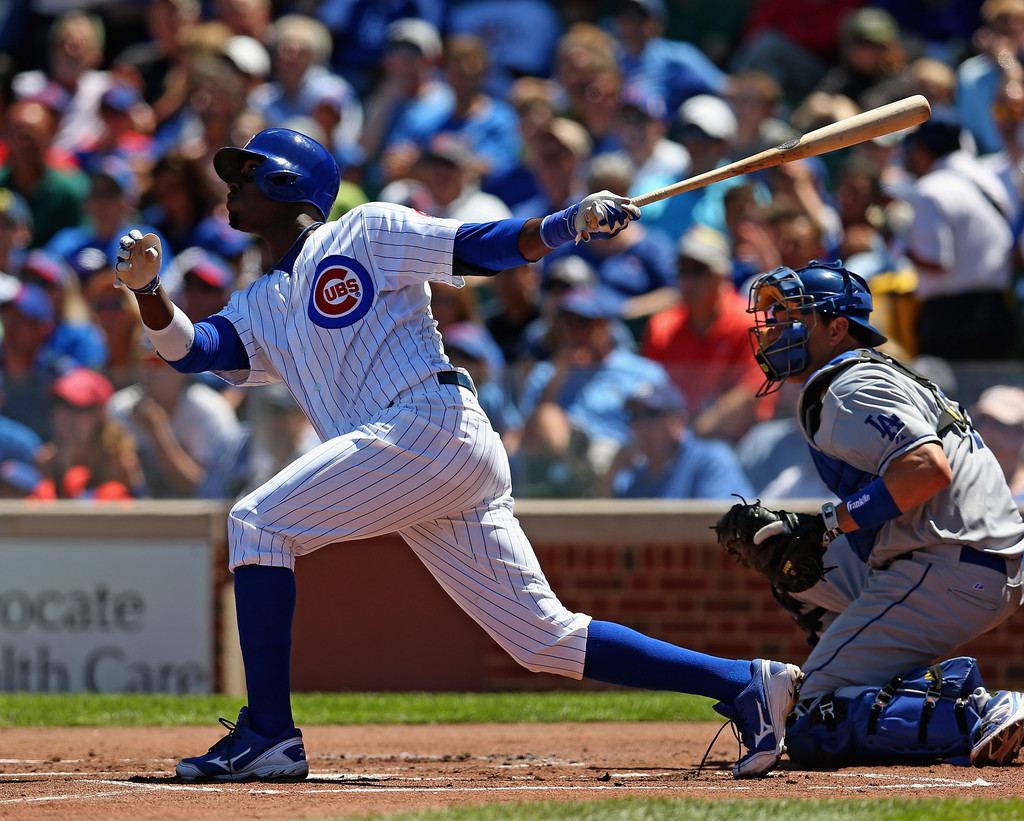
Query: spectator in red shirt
point(703, 341)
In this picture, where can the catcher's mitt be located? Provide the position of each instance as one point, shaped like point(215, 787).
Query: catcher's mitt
point(786, 548)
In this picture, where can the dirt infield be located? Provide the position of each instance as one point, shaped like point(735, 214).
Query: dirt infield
point(87, 773)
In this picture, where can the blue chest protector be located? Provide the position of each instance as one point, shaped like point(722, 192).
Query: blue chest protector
point(844, 479)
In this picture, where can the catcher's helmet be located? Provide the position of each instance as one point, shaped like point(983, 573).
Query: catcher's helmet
point(779, 339)
point(293, 167)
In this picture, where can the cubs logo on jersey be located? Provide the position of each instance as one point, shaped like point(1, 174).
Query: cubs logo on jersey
point(341, 294)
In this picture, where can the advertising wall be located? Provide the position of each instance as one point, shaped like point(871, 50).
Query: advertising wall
point(86, 608)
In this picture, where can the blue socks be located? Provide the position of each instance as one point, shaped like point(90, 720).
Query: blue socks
point(618, 655)
point(265, 604)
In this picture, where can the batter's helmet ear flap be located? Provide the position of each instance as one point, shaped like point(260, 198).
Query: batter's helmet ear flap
point(293, 168)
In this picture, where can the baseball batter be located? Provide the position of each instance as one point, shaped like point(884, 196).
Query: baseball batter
point(924, 503)
point(343, 319)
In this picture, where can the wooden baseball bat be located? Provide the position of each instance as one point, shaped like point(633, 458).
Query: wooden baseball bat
point(867, 125)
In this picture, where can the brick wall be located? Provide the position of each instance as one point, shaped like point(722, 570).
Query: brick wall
point(652, 568)
point(370, 617)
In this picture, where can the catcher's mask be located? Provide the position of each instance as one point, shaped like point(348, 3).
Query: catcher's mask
point(782, 301)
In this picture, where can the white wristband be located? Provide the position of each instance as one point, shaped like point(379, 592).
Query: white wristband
point(174, 341)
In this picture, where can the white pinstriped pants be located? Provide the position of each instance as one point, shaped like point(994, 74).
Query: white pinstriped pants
point(432, 469)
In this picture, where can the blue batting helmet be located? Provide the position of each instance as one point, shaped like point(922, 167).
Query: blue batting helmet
point(293, 167)
point(780, 300)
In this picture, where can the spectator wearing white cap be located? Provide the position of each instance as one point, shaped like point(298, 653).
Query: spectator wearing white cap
point(706, 126)
point(250, 57)
point(665, 460)
point(998, 414)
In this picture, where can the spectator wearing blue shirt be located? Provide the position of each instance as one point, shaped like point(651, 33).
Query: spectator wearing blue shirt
point(408, 102)
point(520, 36)
point(980, 77)
point(637, 266)
point(74, 335)
point(360, 32)
point(18, 442)
point(301, 51)
point(29, 365)
point(674, 69)
point(575, 402)
point(111, 212)
point(665, 460)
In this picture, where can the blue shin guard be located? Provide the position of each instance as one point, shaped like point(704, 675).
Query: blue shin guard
point(927, 714)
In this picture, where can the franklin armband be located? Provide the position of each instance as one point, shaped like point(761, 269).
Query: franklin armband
point(872, 505)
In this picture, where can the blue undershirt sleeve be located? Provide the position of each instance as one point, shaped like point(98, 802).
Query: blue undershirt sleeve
point(217, 347)
point(490, 246)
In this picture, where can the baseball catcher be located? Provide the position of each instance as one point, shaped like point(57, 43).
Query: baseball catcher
point(921, 504)
point(786, 548)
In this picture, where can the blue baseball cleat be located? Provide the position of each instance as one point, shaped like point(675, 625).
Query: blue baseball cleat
point(1000, 735)
point(244, 756)
point(760, 713)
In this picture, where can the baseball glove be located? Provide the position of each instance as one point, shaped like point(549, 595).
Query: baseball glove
point(786, 548)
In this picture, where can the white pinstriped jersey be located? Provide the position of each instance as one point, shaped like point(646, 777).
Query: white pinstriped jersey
point(347, 324)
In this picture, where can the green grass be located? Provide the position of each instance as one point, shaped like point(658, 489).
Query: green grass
point(141, 710)
point(628, 809)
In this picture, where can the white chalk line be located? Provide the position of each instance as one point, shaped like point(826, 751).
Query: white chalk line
point(896, 783)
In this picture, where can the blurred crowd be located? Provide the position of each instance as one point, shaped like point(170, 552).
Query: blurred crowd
point(615, 368)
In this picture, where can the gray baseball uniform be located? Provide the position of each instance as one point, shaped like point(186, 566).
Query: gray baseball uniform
point(928, 588)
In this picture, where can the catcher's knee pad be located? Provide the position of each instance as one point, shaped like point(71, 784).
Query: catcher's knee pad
point(926, 714)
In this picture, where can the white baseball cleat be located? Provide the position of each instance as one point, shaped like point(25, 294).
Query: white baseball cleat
point(1000, 735)
point(760, 713)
